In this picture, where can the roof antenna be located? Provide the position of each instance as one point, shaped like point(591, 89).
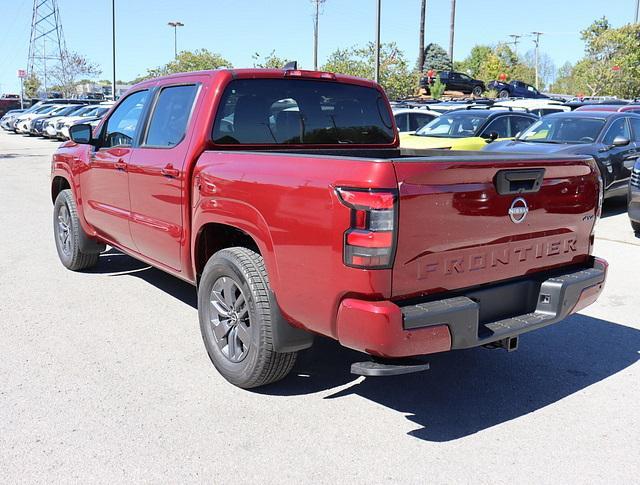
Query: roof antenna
point(292, 65)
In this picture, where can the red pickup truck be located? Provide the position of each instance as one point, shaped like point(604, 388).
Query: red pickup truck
point(283, 196)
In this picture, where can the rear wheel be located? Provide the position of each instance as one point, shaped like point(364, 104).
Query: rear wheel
point(503, 94)
point(67, 232)
point(234, 308)
point(477, 91)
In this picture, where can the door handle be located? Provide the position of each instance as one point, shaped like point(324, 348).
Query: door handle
point(170, 172)
point(120, 165)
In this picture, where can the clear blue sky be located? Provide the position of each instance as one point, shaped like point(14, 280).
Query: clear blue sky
point(238, 28)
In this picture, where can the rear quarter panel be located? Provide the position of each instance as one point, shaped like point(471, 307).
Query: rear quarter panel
point(287, 204)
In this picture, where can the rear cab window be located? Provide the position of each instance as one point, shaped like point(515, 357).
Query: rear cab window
point(171, 112)
point(301, 112)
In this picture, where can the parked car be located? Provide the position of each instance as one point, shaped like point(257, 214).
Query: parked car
point(634, 198)
point(7, 119)
point(468, 129)
point(408, 120)
point(9, 102)
point(611, 138)
point(515, 89)
point(632, 107)
point(539, 107)
point(578, 102)
point(22, 123)
point(36, 126)
point(48, 125)
point(293, 223)
point(457, 81)
point(89, 112)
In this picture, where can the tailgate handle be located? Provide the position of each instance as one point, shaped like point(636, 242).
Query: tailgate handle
point(519, 181)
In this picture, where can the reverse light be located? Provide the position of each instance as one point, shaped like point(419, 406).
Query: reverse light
point(370, 240)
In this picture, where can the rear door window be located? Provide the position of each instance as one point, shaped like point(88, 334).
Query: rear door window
point(519, 124)
point(635, 129)
point(619, 127)
point(301, 112)
point(170, 116)
point(418, 120)
point(500, 125)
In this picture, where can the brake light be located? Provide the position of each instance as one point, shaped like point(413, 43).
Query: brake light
point(310, 74)
point(370, 240)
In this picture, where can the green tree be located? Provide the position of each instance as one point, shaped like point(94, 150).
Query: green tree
point(272, 61)
point(31, 86)
point(395, 76)
point(198, 60)
point(436, 58)
point(611, 65)
point(564, 83)
point(475, 61)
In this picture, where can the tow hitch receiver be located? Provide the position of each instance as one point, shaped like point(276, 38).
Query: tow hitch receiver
point(388, 367)
point(510, 344)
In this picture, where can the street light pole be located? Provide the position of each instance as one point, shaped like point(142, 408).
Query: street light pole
point(113, 46)
point(536, 41)
point(637, 11)
point(377, 73)
point(175, 26)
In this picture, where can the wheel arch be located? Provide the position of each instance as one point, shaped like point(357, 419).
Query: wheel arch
point(212, 237)
point(58, 184)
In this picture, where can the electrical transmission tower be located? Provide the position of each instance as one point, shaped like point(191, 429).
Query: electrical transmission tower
point(46, 46)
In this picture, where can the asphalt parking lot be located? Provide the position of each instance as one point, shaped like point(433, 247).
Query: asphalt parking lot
point(104, 378)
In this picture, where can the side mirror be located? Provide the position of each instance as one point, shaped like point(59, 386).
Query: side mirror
point(620, 141)
point(491, 136)
point(81, 133)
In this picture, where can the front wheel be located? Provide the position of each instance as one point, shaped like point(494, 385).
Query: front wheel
point(67, 232)
point(477, 91)
point(503, 94)
point(234, 308)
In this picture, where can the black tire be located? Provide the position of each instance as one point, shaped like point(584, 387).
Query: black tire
point(65, 214)
point(244, 331)
point(503, 94)
point(636, 227)
point(477, 91)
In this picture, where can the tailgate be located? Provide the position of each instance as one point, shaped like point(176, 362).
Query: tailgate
point(467, 221)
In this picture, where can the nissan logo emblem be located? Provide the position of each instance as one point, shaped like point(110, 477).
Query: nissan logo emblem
point(518, 210)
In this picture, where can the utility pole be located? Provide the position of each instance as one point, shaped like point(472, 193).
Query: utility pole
point(378, 7)
point(423, 12)
point(452, 28)
point(637, 11)
point(316, 19)
point(113, 47)
point(175, 24)
point(515, 38)
point(536, 41)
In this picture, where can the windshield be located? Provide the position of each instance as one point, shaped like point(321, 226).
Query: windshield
point(301, 112)
point(563, 129)
point(84, 110)
point(454, 125)
point(47, 109)
point(69, 110)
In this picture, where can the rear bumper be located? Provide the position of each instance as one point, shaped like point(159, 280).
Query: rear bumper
point(387, 330)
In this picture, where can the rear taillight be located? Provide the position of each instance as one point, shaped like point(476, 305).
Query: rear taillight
point(371, 238)
point(600, 197)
